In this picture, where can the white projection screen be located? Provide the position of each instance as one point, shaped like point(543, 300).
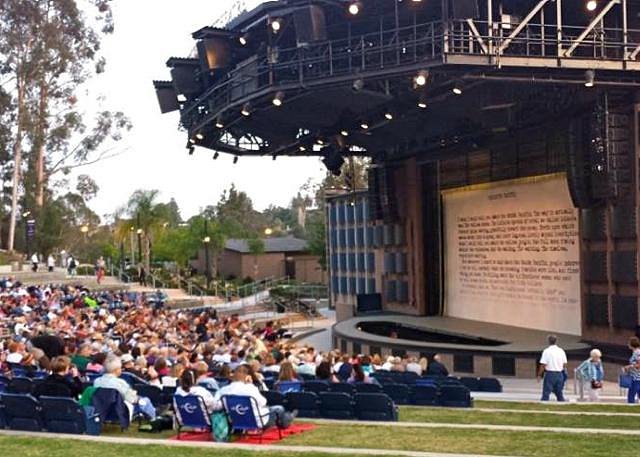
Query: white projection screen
point(512, 254)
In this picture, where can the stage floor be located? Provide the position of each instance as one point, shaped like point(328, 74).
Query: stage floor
point(517, 340)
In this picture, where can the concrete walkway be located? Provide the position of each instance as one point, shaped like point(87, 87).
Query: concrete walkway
point(503, 428)
point(234, 446)
point(557, 413)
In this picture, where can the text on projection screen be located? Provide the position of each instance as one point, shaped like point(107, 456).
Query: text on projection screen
point(512, 254)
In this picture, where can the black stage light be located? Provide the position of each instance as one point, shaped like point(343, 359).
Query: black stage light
point(354, 8)
point(219, 123)
point(457, 88)
point(244, 39)
point(278, 98)
point(246, 109)
point(364, 125)
point(334, 162)
point(388, 115)
point(589, 78)
point(276, 25)
point(421, 78)
point(422, 101)
point(358, 85)
point(216, 155)
point(235, 160)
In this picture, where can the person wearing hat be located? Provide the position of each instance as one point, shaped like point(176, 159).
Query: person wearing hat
point(128, 365)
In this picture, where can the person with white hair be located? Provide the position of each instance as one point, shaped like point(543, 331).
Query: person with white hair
point(590, 373)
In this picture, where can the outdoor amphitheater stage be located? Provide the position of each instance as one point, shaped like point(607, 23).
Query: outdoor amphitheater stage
point(467, 347)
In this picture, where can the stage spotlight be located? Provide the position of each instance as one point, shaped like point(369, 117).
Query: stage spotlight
point(216, 155)
point(344, 133)
point(219, 123)
point(244, 39)
point(592, 5)
point(191, 141)
point(457, 88)
point(191, 150)
point(364, 125)
point(246, 109)
point(388, 115)
point(199, 136)
point(421, 78)
point(589, 78)
point(354, 8)
point(302, 148)
point(276, 25)
point(320, 142)
point(358, 85)
point(235, 160)
point(422, 104)
point(278, 98)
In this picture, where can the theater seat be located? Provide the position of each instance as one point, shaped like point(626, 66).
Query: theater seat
point(490, 385)
point(375, 407)
point(343, 387)
point(65, 415)
point(20, 385)
point(473, 384)
point(306, 403)
point(399, 393)
point(336, 405)
point(315, 386)
point(455, 397)
point(364, 388)
point(153, 393)
point(274, 398)
point(424, 395)
point(22, 412)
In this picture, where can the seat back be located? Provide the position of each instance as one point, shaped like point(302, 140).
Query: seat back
point(19, 372)
point(343, 387)
point(153, 393)
point(20, 385)
point(39, 374)
point(336, 405)
point(424, 395)
point(284, 387)
point(306, 403)
point(473, 384)
point(490, 385)
point(274, 398)
point(64, 415)
point(22, 412)
point(132, 379)
point(110, 407)
point(191, 411)
point(455, 396)
point(375, 407)
point(222, 382)
point(364, 388)
point(408, 377)
point(399, 393)
point(241, 411)
point(316, 386)
point(306, 377)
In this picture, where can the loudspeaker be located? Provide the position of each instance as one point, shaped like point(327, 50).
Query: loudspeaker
point(311, 24)
point(167, 98)
point(465, 9)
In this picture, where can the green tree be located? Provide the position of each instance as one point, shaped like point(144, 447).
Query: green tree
point(148, 217)
point(237, 216)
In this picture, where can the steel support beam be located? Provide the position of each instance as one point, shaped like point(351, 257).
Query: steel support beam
point(596, 20)
point(522, 25)
point(478, 37)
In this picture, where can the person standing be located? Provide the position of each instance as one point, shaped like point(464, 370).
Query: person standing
point(51, 263)
point(71, 266)
point(100, 268)
point(35, 260)
point(553, 363)
point(591, 373)
point(633, 369)
point(142, 275)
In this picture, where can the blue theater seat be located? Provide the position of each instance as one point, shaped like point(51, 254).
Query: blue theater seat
point(22, 412)
point(336, 405)
point(424, 395)
point(399, 393)
point(375, 407)
point(132, 379)
point(343, 387)
point(65, 415)
point(473, 384)
point(274, 398)
point(20, 385)
point(284, 387)
point(307, 404)
point(364, 388)
point(490, 385)
point(455, 397)
point(316, 386)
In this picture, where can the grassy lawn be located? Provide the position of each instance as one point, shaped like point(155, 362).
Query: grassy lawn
point(468, 441)
point(448, 416)
point(553, 406)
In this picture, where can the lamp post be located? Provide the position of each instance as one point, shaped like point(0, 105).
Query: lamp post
point(133, 254)
point(207, 242)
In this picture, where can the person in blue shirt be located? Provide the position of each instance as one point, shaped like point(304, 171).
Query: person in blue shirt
point(633, 369)
point(590, 375)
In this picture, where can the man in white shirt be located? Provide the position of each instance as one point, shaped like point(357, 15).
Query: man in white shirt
point(243, 386)
point(553, 362)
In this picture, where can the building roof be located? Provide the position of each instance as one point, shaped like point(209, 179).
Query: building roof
point(282, 244)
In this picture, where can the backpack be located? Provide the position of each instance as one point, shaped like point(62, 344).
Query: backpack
point(220, 427)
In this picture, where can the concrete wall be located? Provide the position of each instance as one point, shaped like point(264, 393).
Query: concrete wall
point(308, 269)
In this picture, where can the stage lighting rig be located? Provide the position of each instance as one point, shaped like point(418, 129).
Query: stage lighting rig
point(355, 8)
point(219, 123)
point(246, 110)
point(278, 99)
point(420, 80)
point(276, 25)
point(334, 161)
point(589, 78)
point(592, 5)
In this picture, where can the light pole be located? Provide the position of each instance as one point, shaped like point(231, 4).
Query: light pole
point(207, 242)
point(139, 238)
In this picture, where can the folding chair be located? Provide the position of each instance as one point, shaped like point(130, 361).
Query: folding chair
point(191, 412)
point(22, 412)
point(424, 395)
point(111, 408)
point(399, 393)
point(364, 388)
point(20, 385)
point(153, 393)
point(244, 414)
point(64, 415)
point(316, 386)
point(375, 407)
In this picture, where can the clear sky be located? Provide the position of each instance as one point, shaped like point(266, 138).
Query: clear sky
point(147, 33)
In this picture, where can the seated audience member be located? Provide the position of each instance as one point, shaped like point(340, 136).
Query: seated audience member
point(188, 386)
point(359, 376)
point(270, 364)
point(257, 376)
point(242, 385)
point(97, 363)
point(287, 373)
point(203, 378)
point(367, 366)
point(591, 374)
point(413, 366)
point(82, 357)
point(128, 366)
point(16, 353)
point(111, 380)
point(397, 366)
point(323, 372)
point(436, 367)
point(376, 362)
point(63, 382)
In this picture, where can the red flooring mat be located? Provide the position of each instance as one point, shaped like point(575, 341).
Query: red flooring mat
point(269, 437)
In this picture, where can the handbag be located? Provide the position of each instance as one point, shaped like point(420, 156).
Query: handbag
point(625, 381)
point(220, 427)
point(596, 384)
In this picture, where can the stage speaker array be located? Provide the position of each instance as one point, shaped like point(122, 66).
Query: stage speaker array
point(382, 205)
point(167, 98)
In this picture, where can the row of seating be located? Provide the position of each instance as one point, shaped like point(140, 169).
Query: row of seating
point(474, 384)
point(51, 414)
